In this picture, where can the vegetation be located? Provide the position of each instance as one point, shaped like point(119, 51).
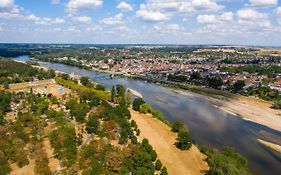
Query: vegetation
point(145, 108)
point(178, 126)
point(14, 72)
point(265, 93)
point(83, 91)
point(184, 141)
point(137, 104)
point(226, 162)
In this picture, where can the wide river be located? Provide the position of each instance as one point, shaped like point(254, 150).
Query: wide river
point(208, 125)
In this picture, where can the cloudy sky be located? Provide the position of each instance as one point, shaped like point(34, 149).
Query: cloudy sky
point(247, 22)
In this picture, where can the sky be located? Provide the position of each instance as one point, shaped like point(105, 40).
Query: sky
point(235, 22)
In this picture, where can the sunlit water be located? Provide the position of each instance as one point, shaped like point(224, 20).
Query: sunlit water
point(208, 125)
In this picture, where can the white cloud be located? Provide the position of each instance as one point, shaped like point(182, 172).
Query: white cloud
point(8, 9)
point(251, 14)
point(252, 19)
point(263, 3)
point(74, 5)
point(44, 20)
point(4, 4)
point(93, 29)
point(55, 1)
point(115, 20)
point(124, 6)
point(152, 15)
point(206, 19)
point(83, 19)
point(167, 27)
point(212, 19)
point(277, 13)
point(160, 10)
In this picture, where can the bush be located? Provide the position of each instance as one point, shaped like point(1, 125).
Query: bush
point(178, 126)
point(137, 103)
point(158, 165)
point(84, 80)
point(145, 108)
point(184, 141)
point(228, 162)
point(93, 124)
point(164, 171)
point(277, 104)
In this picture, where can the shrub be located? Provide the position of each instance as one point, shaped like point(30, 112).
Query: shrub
point(177, 126)
point(137, 103)
point(164, 171)
point(158, 165)
point(145, 108)
point(184, 141)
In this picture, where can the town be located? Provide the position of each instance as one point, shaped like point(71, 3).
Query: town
point(236, 69)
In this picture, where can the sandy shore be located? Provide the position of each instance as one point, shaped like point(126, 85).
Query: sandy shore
point(273, 146)
point(253, 110)
point(250, 109)
point(190, 162)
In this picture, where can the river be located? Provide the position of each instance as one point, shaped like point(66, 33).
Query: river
point(208, 125)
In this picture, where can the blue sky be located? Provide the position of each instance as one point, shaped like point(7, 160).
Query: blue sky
point(240, 22)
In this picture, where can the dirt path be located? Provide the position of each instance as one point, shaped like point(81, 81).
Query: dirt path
point(191, 162)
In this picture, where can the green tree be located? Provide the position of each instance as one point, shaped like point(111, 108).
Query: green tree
point(238, 85)
point(178, 126)
point(228, 162)
point(113, 93)
point(137, 103)
point(93, 124)
point(145, 108)
point(129, 98)
point(84, 80)
point(79, 111)
point(277, 104)
point(158, 165)
point(184, 141)
point(164, 171)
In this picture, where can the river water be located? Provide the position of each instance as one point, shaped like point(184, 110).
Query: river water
point(208, 125)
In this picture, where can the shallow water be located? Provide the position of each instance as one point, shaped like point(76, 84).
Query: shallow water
point(208, 125)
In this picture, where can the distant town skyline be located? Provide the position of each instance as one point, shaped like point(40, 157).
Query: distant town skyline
point(234, 22)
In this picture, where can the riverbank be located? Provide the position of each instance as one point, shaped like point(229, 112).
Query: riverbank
point(270, 145)
point(250, 109)
point(189, 162)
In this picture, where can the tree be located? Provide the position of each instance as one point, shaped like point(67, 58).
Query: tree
point(84, 80)
point(93, 124)
point(177, 126)
point(158, 165)
point(113, 93)
point(145, 108)
point(195, 76)
point(79, 111)
point(137, 103)
point(164, 171)
point(228, 162)
point(277, 104)
point(65, 76)
point(2, 120)
point(184, 141)
point(120, 91)
point(238, 86)
point(129, 98)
